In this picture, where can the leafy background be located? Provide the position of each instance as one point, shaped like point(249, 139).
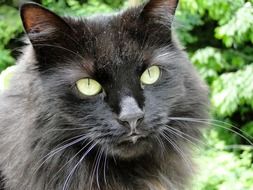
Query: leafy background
point(218, 36)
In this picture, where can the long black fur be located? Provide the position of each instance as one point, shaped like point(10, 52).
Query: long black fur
point(43, 110)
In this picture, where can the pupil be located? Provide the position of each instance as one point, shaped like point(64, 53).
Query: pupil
point(149, 73)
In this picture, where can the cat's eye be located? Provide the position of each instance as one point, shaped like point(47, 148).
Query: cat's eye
point(88, 87)
point(150, 75)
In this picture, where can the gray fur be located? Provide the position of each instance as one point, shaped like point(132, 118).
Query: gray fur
point(41, 111)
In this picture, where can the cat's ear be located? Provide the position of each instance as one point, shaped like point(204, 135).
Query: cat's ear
point(161, 8)
point(40, 23)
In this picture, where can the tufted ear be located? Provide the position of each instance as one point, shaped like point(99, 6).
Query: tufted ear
point(40, 23)
point(161, 8)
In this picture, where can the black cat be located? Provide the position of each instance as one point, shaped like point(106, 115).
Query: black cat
point(94, 102)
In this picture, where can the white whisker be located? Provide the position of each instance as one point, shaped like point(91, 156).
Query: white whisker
point(70, 160)
point(105, 162)
point(57, 150)
point(213, 124)
point(179, 151)
point(184, 136)
point(75, 167)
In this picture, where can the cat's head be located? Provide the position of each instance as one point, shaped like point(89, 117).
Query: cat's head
point(115, 80)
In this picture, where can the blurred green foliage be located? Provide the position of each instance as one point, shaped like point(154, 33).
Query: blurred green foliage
point(218, 36)
point(10, 27)
point(222, 169)
point(84, 7)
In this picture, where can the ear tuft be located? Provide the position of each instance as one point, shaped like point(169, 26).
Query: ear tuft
point(160, 7)
point(37, 19)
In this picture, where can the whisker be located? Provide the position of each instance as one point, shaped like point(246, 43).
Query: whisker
point(208, 121)
point(70, 139)
point(97, 178)
point(66, 129)
point(216, 125)
point(74, 169)
point(170, 131)
point(54, 152)
point(105, 162)
point(71, 160)
point(93, 171)
point(80, 127)
point(227, 147)
point(178, 150)
point(94, 168)
point(184, 135)
point(160, 142)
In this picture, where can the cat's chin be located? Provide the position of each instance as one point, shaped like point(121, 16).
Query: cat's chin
point(131, 150)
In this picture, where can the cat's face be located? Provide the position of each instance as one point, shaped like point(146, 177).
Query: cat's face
point(126, 117)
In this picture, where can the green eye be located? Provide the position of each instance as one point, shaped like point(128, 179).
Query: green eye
point(88, 87)
point(151, 75)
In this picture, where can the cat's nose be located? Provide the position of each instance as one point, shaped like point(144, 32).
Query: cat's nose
point(132, 119)
point(131, 114)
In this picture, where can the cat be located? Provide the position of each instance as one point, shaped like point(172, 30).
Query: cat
point(93, 103)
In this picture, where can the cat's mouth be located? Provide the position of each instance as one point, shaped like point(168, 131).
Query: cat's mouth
point(133, 145)
point(132, 139)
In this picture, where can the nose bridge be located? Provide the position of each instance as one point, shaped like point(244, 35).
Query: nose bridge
point(130, 111)
point(124, 94)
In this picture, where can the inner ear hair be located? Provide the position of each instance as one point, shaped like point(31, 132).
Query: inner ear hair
point(160, 7)
point(37, 19)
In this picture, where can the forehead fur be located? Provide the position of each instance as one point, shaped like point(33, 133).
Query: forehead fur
point(125, 37)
